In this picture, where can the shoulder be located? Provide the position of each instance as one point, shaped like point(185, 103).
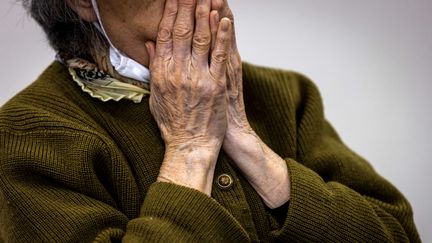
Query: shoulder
point(47, 123)
point(286, 102)
point(51, 102)
point(281, 84)
point(282, 90)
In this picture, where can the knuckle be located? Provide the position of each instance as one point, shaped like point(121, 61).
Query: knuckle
point(202, 12)
point(170, 11)
point(201, 40)
point(164, 34)
point(185, 85)
point(220, 56)
point(182, 31)
point(188, 4)
point(205, 88)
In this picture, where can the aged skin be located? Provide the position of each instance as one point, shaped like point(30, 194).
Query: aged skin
point(197, 101)
point(188, 98)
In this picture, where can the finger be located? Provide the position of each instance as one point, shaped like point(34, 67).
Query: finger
point(221, 50)
point(214, 23)
point(202, 36)
point(218, 4)
point(225, 11)
point(183, 30)
point(164, 43)
point(155, 83)
point(223, 8)
point(151, 50)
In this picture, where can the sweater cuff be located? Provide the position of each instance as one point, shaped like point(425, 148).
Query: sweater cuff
point(308, 203)
point(172, 210)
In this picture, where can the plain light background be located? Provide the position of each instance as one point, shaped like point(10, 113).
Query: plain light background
point(372, 61)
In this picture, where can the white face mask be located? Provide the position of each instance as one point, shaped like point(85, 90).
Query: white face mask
point(124, 65)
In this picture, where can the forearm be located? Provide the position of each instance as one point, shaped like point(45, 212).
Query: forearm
point(266, 171)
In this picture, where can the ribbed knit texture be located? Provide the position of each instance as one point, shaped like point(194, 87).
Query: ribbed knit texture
point(75, 169)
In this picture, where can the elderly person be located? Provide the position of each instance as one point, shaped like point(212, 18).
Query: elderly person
point(149, 128)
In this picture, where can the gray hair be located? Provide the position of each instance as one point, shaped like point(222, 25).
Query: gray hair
point(65, 30)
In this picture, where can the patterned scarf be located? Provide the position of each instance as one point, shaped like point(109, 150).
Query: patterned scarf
point(102, 81)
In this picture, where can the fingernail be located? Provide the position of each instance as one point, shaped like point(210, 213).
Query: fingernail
point(225, 24)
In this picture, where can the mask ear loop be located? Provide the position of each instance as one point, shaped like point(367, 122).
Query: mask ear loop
point(99, 24)
point(124, 65)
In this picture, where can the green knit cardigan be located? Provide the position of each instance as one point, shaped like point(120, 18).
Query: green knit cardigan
point(75, 169)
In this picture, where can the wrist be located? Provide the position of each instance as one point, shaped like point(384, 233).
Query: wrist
point(240, 142)
point(190, 166)
point(237, 133)
point(266, 171)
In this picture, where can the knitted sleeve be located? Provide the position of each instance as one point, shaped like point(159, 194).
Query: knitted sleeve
point(50, 191)
point(336, 195)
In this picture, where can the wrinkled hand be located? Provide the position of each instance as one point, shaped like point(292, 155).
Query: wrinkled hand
point(236, 114)
point(188, 91)
point(266, 171)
